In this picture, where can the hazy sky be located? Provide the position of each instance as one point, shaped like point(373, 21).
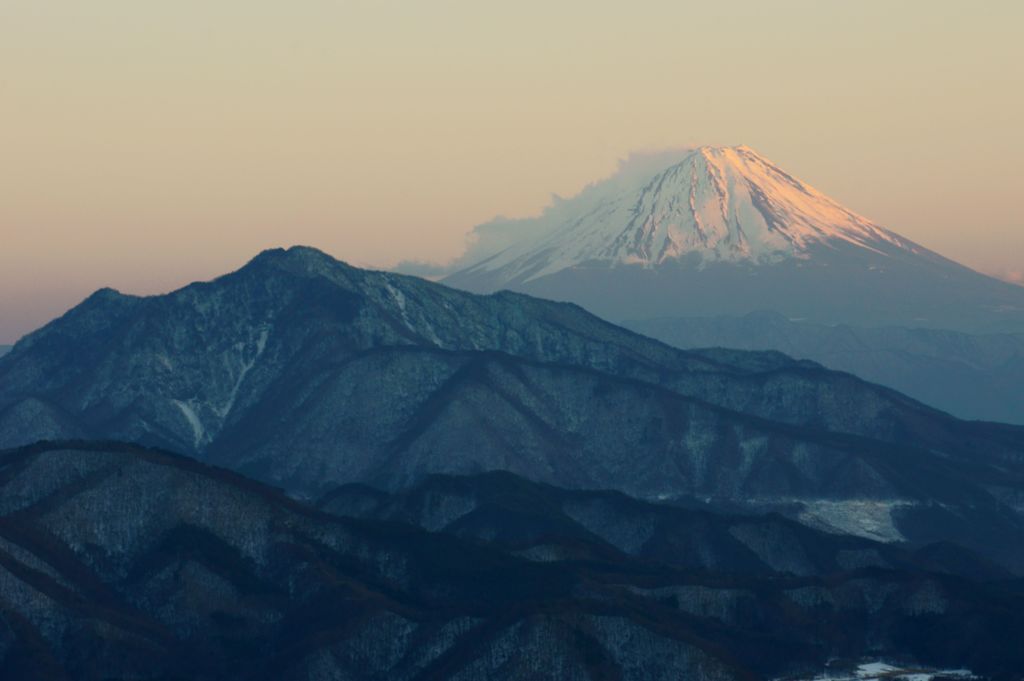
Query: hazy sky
point(147, 144)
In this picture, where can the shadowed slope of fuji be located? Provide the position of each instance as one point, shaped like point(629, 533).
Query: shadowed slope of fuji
point(971, 376)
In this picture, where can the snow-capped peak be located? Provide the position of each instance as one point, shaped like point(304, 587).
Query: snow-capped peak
point(726, 204)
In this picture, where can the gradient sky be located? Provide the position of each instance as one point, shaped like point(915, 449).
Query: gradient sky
point(147, 144)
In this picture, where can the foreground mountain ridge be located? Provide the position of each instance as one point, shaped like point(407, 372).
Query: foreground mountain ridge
point(307, 373)
point(544, 522)
point(185, 571)
point(123, 562)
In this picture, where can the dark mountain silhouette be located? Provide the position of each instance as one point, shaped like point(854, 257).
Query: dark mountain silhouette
point(307, 373)
point(123, 562)
point(547, 523)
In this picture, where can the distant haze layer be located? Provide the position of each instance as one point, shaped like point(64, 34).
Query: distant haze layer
point(140, 136)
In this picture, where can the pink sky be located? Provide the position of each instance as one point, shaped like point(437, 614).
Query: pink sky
point(146, 145)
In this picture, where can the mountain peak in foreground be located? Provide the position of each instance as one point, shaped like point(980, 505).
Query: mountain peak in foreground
point(716, 230)
point(304, 372)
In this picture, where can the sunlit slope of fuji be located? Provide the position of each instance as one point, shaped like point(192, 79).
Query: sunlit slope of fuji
point(726, 231)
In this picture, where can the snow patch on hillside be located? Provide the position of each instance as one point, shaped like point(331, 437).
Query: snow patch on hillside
point(869, 518)
point(424, 327)
point(879, 671)
point(243, 369)
point(198, 431)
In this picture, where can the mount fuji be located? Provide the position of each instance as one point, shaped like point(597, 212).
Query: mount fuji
point(723, 230)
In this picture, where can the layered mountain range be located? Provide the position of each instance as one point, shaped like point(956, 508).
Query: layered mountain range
point(470, 486)
point(722, 230)
point(123, 562)
point(720, 247)
point(547, 523)
point(306, 373)
point(973, 376)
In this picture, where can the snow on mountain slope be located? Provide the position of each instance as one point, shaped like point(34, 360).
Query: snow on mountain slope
point(723, 203)
point(722, 230)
